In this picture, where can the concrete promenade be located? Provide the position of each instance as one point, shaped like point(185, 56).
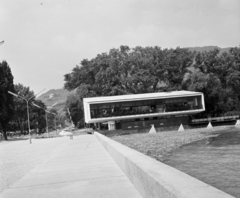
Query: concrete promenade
point(79, 168)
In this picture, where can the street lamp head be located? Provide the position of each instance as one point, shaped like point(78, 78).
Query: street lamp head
point(40, 92)
point(12, 93)
point(54, 104)
point(60, 110)
point(35, 95)
point(49, 107)
point(36, 105)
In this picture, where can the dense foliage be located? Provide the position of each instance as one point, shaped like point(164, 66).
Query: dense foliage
point(6, 100)
point(17, 117)
point(37, 115)
point(13, 110)
point(20, 121)
point(218, 77)
point(152, 69)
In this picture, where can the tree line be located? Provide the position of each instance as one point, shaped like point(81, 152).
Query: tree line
point(128, 70)
point(13, 110)
point(153, 69)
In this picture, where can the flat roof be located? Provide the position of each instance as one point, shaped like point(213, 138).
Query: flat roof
point(144, 96)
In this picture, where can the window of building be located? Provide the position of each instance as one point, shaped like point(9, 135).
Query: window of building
point(144, 107)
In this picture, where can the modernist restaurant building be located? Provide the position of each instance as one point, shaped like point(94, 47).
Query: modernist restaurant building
point(163, 109)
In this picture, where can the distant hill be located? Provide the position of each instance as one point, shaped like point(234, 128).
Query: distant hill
point(55, 95)
point(208, 48)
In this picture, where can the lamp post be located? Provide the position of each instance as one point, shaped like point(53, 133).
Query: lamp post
point(45, 114)
point(27, 100)
point(70, 116)
point(49, 107)
point(61, 116)
point(55, 115)
point(55, 122)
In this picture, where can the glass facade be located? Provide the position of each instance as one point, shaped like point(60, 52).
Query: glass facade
point(118, 109)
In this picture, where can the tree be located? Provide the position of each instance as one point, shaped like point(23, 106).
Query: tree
point(37, 116)
point(233, 76)
point(6, 100)
point(126, 71)
point(152, 69)
point(51, 118)
point(218, 77)
point(20, 117)
point(75, 108)
point(19, 121)
point(129, 71)
point(214, 94)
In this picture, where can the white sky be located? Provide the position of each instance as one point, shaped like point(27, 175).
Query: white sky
point(45, 39)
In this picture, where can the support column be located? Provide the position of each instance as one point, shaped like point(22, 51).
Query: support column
point(111, 125)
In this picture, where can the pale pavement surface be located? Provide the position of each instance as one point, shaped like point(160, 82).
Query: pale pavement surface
point(18, 157)
point(76, 168)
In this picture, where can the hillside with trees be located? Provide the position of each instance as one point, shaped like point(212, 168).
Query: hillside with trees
point(209, 48)
point(153, 69)
point(54, 96)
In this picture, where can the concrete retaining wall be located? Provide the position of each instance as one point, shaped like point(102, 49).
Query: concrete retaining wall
point(154, 179)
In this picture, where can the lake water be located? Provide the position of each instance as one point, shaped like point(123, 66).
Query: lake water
point(215, 161)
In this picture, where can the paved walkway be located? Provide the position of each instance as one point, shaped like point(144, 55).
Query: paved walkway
point(18, 157)
point(80, 168)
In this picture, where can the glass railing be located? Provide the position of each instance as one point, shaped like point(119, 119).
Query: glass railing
point(215, 119)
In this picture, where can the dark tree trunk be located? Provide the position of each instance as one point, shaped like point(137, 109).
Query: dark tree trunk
point(4, 132)
point(23, 131)
point(20, 127)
